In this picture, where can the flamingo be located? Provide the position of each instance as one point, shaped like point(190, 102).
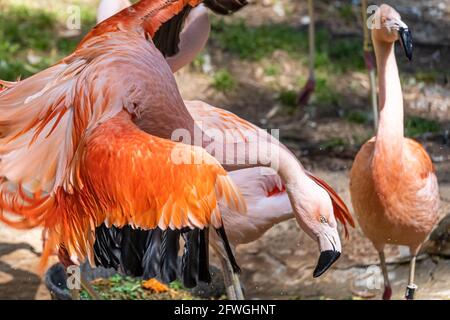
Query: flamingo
point(57, 171)
point(192, 40)
point(393, 185)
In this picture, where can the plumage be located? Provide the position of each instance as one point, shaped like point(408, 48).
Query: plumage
point(268, 204)
point(57, 170)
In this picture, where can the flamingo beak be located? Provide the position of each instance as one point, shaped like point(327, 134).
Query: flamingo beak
point(406, 41)
point(330, 251)
point(326, 260)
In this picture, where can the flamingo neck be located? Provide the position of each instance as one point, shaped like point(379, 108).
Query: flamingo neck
point(388, 155)
point(301, 189)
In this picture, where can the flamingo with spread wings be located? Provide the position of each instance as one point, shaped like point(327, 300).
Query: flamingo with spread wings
point(72, 158)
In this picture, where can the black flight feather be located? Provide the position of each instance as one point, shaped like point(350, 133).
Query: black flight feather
point(170, 246)
point(225, 7)
point(167, 38)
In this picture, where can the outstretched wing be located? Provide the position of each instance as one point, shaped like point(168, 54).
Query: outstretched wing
point(44, 119)
point(127, 177)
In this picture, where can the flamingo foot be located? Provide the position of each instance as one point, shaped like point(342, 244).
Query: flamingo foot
point(410, 290)
point(387, 293)
point(306, 92)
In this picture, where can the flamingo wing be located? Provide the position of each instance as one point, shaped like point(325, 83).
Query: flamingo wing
point(127, 177)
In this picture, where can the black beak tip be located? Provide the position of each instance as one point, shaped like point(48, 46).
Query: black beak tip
point(407, 42)
point(326, 260)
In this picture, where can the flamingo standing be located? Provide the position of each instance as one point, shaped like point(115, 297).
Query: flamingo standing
point(393, 185)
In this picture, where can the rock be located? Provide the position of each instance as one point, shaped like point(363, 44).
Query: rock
point(430, 101)
point(439, 242)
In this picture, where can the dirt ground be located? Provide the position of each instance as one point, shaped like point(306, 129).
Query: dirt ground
point(280, 264)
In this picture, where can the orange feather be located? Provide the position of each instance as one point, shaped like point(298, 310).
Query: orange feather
point(123, 186)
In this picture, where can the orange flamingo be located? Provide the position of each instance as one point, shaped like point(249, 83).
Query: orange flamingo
point(393, 185)
point(72, 158)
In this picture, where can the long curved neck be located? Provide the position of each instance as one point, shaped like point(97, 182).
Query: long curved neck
point(388, 155)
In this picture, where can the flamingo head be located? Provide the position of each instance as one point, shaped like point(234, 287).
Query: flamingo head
point(388, 27)
point(316, 217)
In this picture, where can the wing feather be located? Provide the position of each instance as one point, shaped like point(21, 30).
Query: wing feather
point(116, 158)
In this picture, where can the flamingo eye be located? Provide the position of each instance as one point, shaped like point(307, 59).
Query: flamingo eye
point(323, 219)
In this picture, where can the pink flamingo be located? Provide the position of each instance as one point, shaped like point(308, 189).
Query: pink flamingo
point(393, 185)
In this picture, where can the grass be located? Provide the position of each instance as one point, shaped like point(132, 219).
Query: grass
point(357, 116)
point(332, 143)
point(31, 41)
point(256, 43)
point(272, 70)
point(223, 81)
point(288, 98)
point(120, 287)
point(415, 126)
point(334, 56)
point(426, 76)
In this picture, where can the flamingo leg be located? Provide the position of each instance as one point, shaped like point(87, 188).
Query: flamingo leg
point(231, 279)
point(387, 285)
point(237, 285)
point(411, 288)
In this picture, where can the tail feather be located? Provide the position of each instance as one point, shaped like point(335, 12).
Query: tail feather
point(341, 211)
point(132, 250)
point(169, 255)
point(107, 247)
point(190, 261)
point(152, 256)
point(204, 274)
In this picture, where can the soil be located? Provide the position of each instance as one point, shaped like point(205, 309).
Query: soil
point(280, 264)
